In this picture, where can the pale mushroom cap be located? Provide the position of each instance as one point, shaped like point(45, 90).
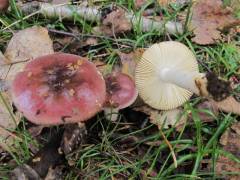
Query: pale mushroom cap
point(154, 91)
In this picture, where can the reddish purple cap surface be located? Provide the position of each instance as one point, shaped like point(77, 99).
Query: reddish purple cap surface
point(121, 90)
point(59, 88)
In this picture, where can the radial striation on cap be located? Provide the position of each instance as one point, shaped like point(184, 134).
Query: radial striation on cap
point(155, 86)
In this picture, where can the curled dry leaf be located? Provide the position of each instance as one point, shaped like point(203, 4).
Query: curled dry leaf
point(115, 23)
point(230, 142)
point(168, 118)
point(208, 18)
point(24, 45)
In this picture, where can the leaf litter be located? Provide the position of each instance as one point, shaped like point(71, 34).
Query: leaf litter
point(209, 18)
point(115, 23)
point(23, 46)
point(230, 143)
point(127, 146)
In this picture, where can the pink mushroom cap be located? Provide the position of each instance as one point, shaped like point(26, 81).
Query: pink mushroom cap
point(121, 90)
point(59, 88)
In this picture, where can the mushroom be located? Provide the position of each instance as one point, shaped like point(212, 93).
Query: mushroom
point(59, 88)
point(121, 92)
point(167, 76)
point(4, 5)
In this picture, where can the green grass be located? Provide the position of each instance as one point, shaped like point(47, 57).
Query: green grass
point(103, 157)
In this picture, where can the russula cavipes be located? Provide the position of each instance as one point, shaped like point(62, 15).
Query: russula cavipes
point(167, 76)
point(4, 5)
point(121, 93)
point(59, 88)
point(121, 90)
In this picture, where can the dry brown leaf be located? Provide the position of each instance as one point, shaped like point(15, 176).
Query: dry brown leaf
point(208, 18)
point(224, 165)
point(229, 105)
point(115, 23)
point(204, 116)
point(231, 143)
point(28, 44)
point(24, 45)
point(166, 118)
point(8, 122)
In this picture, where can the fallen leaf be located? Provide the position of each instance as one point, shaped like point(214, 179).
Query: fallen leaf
point(206, 112)
point(28, 44)
point(230, 142)
point(230, 139)
point(208, 18)
point(229, 105)
point(8, 122)
point(226, 165)
point(168, 118)
point(115, 23)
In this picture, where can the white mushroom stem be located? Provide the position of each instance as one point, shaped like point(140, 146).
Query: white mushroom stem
point(181, 78)
point(111, 114)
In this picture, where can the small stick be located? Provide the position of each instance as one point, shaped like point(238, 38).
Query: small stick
point(94, 14)
point(170, 147)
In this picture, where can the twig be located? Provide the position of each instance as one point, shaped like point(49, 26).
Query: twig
point(77, 35)
point(94, 14)
point(170, 147)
